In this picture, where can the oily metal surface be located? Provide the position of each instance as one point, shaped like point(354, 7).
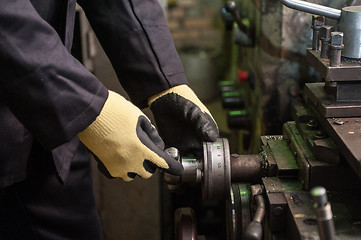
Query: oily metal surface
point(346, 132)
point(348, 71)
point(327, 106)
point(246, 168)
point(316, 170)
point(302, 222)
point(275, 187)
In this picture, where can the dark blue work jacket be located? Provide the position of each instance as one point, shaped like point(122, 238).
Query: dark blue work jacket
point(47, 96)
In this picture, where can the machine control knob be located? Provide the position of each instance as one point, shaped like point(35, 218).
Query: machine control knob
point(239, 119)
point(233, 99)
point(213, 172)
point(243, 76)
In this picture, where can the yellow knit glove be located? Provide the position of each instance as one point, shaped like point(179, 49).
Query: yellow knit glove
point(125, 141)
point(182, 119)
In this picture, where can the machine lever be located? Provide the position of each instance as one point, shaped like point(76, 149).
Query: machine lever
point(254, 229)
point(231, 7)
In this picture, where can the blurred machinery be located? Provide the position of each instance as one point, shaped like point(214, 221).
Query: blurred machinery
point(305, 182)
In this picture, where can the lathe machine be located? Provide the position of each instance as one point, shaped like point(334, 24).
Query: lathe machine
point(305, 183)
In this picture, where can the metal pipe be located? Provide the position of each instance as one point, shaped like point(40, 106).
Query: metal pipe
point(313, 8)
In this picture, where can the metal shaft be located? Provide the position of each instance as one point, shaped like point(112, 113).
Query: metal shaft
point(312, 8)
point(317, 23)
point(335, 57)
point(326, 226)
point(245, 168)
point(316, 39)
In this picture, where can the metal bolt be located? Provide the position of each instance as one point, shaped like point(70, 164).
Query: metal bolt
point(336, 38)
point(336, 46)
point(278, 211)
point(325, 37)
point(317, 23)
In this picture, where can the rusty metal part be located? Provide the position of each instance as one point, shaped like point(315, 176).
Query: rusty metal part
point(326, 105)
point(185, 224)
point(246, 168)
point(349, 19)
point(336, 46)
point(325, 37)
point(318, 167)
point(348, 138)
point(348, 71)
point(276, 204)
point(317, 22)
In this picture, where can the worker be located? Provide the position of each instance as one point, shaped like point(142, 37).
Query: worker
point(53, 112)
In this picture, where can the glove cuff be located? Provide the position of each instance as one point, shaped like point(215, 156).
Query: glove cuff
point(106, 123)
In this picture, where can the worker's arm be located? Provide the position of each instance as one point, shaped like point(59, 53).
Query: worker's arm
point(135, 37)
point(138, 42)
point(55, 97)
point(46, 88)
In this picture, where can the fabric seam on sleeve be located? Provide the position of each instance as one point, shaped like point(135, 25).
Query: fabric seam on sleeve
point(149, 42)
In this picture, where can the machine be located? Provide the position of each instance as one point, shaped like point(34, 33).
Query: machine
point(304, 183)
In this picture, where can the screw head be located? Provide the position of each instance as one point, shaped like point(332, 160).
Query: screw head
point(278, 211)
point(325, 33)
point(337, 38)
point(318, 21)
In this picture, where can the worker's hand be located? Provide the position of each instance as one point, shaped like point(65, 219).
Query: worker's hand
point(182, 119)
point(125, 141)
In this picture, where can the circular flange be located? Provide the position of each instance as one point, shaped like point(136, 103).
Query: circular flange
point(216, 169)
point(238, 211)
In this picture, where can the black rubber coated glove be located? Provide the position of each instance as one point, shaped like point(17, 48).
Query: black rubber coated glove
point(182, 120)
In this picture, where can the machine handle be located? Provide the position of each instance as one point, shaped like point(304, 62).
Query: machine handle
point(254, 229)
point(313, 8)
point(231, 7)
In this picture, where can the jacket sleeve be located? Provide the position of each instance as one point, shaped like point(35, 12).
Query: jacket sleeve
point(136, 38)
point(50, 92)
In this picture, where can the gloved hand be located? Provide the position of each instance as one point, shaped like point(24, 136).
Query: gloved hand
point(123, 138)
point(182, 119)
